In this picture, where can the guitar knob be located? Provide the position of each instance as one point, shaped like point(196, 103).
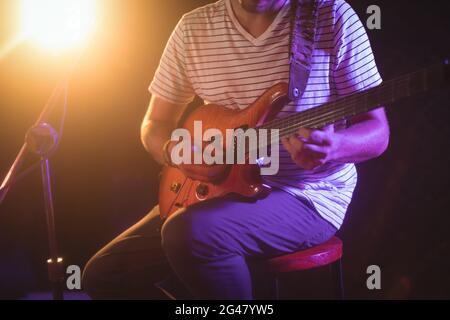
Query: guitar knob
point(175, 187)
point(202, 190)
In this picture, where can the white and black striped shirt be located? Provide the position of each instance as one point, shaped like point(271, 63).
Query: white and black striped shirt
point(211, 55)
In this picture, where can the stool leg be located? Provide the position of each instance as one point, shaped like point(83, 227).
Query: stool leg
point(338, 279)
point(274, 287)
point(276, 284)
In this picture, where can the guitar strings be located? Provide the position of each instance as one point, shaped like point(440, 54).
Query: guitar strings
point(329, 117)
point(339, 113)
point(395, 84)
point(332, 106)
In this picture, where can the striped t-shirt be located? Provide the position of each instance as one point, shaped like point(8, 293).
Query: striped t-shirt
point(211, 55)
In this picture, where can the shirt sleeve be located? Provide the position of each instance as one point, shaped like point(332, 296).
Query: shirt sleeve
point(355, 68)
point(171, 81)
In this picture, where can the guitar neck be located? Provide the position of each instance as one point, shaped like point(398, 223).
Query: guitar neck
point(361, 102)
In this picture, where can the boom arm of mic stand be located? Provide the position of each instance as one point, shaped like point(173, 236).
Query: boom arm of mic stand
point(9, 179)
point(14, 170)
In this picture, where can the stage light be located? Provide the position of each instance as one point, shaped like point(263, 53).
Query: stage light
point(57, 24)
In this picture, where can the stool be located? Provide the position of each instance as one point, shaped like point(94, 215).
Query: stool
point(326, 254)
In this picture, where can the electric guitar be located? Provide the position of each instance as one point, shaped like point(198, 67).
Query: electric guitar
point(178, 191)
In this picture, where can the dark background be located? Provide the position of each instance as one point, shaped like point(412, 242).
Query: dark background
point(104, 181)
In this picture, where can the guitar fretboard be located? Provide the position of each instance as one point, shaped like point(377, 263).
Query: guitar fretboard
point(361, 102)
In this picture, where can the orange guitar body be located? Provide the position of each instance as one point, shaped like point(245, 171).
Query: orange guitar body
point(178, 191)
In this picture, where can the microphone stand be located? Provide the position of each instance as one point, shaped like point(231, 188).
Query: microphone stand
point(42, 140)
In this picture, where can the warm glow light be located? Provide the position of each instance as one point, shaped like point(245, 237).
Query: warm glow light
point(57, 24)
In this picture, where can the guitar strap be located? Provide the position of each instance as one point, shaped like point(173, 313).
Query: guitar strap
point(303, 31)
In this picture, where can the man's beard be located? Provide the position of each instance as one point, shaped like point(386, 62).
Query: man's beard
point(257, 6)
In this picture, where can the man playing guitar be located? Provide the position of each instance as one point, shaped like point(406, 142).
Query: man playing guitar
point(229, 53)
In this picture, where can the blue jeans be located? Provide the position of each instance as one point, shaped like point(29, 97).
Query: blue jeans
point(207, 250)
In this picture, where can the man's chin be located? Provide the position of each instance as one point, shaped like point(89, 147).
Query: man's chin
point(252, 6)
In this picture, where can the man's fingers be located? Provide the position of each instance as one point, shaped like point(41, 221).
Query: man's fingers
point(306, 155)
point(292, 144)
point(304, 133)
point(296, 143)
point(315, 151)
point(286, 144)
point(285, 141)
point(308, 148)
point(329, 128)
point(319, 137)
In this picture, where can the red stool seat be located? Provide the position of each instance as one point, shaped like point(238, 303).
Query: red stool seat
point(318, 256)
